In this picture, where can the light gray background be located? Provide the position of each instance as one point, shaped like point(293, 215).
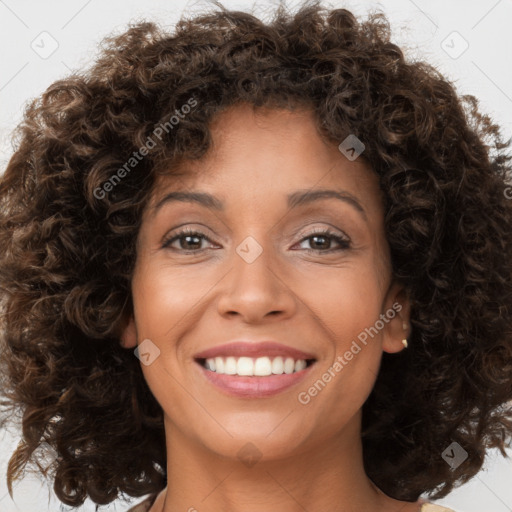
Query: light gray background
point(434, 30)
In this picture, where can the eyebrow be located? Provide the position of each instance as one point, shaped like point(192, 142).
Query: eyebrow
point(302, 197)
point(202, 198)
point(298, 198)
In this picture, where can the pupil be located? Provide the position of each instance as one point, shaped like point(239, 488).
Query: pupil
point(188, 237)
point(321, 238)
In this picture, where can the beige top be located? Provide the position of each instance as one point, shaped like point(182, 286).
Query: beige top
point(145, 505)
point(430, 507)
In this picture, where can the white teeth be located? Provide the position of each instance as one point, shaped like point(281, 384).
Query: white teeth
point(300, 364)
point(278, 365)
point(262, 367)
point(289, 365)
point(244, 366)
point(230, 366)
point(219, 365)
point(259, 367)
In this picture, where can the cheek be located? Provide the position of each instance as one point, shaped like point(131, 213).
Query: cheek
point(161, 303)
point(347, 307)
point(163, 296)
point(346, 301)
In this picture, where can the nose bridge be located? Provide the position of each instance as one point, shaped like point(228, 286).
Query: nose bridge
point(254, 261)
point(255, 288)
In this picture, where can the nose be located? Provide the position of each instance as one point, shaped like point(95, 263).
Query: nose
point(257, 290)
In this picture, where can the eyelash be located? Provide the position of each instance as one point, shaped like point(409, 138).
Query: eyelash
point(343, 242)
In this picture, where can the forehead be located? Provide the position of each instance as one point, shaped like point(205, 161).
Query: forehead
point(269, 151)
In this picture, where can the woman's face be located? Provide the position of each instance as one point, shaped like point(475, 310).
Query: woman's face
point(258, 266)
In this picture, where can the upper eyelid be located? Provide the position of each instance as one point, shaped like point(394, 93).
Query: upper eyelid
point(312, 231)
point(179, 230)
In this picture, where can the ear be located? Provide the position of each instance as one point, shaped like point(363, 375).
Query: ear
point(128, 335)
point(397, 309)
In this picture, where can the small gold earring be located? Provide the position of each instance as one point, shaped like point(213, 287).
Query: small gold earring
point(404, 341)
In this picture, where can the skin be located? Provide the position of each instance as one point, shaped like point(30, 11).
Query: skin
point(311, 455)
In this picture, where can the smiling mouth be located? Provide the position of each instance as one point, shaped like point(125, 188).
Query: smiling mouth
point(255, 366)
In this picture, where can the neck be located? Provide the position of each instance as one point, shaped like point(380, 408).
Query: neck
point(328, 476)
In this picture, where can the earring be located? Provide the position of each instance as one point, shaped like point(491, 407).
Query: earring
point(404, 341)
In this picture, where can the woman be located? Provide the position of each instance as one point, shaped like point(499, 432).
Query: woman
point(257, 267)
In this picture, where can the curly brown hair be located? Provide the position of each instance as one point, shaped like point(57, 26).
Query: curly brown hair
point(68, 251)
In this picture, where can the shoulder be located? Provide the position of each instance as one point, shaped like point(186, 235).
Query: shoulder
point(430, 507)
point(145, 505)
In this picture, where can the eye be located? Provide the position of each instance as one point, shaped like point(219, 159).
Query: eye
point(323, 238)
point(189, 241)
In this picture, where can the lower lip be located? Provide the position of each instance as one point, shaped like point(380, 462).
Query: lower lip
point(254, 387)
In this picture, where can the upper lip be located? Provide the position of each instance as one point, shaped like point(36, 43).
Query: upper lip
point(253, 349)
